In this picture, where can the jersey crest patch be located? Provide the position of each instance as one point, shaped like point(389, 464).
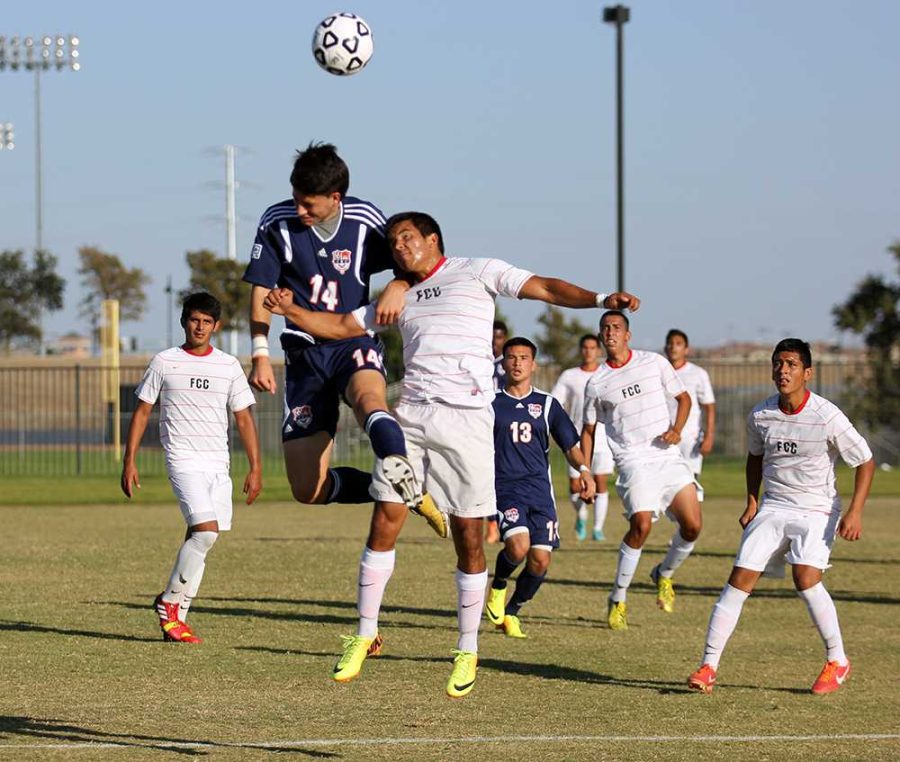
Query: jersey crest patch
point(535, 410)
point(256, 251)
point(340, 258)
point(302, 415)
point(511, 515)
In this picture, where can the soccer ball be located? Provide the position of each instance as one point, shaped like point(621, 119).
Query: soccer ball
point(342, 44)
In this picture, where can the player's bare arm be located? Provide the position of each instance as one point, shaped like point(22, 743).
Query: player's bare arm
point(587, 441)
point(753, 474)
point(322, 325)
point(850, 526)
point(575, 457)
point(709, 431)
point(390, 302)
point(139, 419)
point(250, 439)
point(262, 377)
point(673, 435)
point(564, 294)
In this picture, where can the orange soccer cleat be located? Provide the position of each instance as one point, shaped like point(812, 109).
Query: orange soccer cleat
point(831, 677)
point(703, 679)
point(173, 629)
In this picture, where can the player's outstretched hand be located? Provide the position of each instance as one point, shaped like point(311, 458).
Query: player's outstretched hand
point(390, 303)
point(671, 437)
point(850, 526)
point(622, 300)
point(130, 479)
point(253, 486)
point(278, 300)
point(262, 377)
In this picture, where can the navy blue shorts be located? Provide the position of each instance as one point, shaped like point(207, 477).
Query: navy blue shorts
point(538, 518)
point(315, 379)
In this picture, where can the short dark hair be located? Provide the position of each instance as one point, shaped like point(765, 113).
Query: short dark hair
point(200, 302)
point(794, 345)
point(499, 325)
point(319, 171)
point(675, 332)
point(424, 223)
point(520, 341)
point(586, 337)
point(610, 313)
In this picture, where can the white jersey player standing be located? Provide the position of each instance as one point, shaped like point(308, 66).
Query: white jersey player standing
point(196, 385)
point(629, 393)
point(569, 391)
point(445, 412)
point(698, 434)
point(794, 438)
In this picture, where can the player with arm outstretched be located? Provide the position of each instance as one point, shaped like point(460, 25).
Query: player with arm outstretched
point(525, 420)
point(445, 411)
point(794, 438)
point(196, 385)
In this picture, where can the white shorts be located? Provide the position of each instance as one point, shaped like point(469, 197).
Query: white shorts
point(203, 497)
point(602, 460)
point(690, 451)
point(451, 450)
point(652, 486)
point(793, 536)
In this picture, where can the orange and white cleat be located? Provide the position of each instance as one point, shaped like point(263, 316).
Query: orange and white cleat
point(173, 629)
point(703, 679)
point(830, 679)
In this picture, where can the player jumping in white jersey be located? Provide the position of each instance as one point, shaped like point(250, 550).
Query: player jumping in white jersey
point(196, 386)
point(629, 393)
point(696, 439)
point(794, 438)
point(569, 390)
point(445, 412)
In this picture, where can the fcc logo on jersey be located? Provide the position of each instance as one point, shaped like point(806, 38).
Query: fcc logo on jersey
point(535, 410)
point(302, 415)
point(340, 258)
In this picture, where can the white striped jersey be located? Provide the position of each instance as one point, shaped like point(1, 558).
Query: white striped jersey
point(195, 393)
point(632, 401)
point(799, 450)
point(569, 391)
point(696, 381)
point(446, 325)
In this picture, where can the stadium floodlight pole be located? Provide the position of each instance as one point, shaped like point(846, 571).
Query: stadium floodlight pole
point(7, 136)
point(619, 15)
point(230, 228)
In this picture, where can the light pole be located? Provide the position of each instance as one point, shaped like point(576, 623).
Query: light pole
point(7, 136)
point(619, 15)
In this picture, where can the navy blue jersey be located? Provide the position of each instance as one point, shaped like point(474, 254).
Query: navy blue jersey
point(522, 431)
point(329, 275)
point(499, 374)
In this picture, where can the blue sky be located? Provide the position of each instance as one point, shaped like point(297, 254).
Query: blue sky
point(762, 163)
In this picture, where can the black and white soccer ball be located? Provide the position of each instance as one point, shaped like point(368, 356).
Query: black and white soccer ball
point(342, 44)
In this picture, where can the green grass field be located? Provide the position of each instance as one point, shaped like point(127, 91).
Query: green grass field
point(86, 676)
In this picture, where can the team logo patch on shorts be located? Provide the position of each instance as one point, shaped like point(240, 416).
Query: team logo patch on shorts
point(340, 258)
point(511, 515)
point(535, 410)
point(302, 415)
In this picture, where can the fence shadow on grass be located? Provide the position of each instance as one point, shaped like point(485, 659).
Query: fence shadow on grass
point(13, 626)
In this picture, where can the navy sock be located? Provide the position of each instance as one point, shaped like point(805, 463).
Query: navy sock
point(385, 434)
point(502, 571)
point(349, 485)
point(526, 586)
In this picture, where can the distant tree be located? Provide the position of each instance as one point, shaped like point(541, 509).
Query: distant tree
point(25, 292)
point(103, 276)
point(223, 279)
point(873, 312)
point(558, 342)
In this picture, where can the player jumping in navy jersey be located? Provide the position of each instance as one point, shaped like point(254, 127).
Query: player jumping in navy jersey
point(324, 245)
point(525, 419)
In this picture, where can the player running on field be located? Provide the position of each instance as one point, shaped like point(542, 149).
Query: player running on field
point(525, 419)
point(630, 393)
point(196, 386)
point(445, 411)
point(324, 245)
point(696, 439)
point(794, 438)
point(569, 390)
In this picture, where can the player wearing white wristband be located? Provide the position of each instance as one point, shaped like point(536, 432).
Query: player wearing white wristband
point(794, 438)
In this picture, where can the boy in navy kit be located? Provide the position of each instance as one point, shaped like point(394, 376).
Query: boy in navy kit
point(525, 419)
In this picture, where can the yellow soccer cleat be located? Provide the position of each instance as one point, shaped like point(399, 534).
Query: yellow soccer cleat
point(617, 617)
point(356, 649)
point(665, 592)
point(399, 472)
point(512, 627)
point(435, 517)
point(462, 679)
point(495, 606)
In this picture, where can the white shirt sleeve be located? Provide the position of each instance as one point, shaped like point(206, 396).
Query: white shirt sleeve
point(705, 394)
point(672, 384)
point(755, 444)
point(844, 437)
point(500, 277)
point(591, 403)
point(151, 384)
point(240, 396)
point(560, 392)
point(365, 316)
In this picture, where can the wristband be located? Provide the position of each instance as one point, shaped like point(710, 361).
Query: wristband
point(600, 299)
point(583, 467)
point(260, 346)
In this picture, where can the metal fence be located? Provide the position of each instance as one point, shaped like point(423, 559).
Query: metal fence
point(64, 420)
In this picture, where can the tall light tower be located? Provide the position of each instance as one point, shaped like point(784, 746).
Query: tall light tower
point(619, 15)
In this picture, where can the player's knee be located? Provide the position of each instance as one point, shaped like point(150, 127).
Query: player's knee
point(203, 541)
point(690, 530)
point(538, 565)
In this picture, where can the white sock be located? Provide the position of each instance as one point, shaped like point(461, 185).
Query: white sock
point(601, 505)
point(580, 506)
point(375, 569)
point(824, 616)
point(470, 589)
point(188, 564)
point(722, 621)
point(190, 593)
point(628, 563)
point(679, 550)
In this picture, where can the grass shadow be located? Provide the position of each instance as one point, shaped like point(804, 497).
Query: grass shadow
point(13, 626)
